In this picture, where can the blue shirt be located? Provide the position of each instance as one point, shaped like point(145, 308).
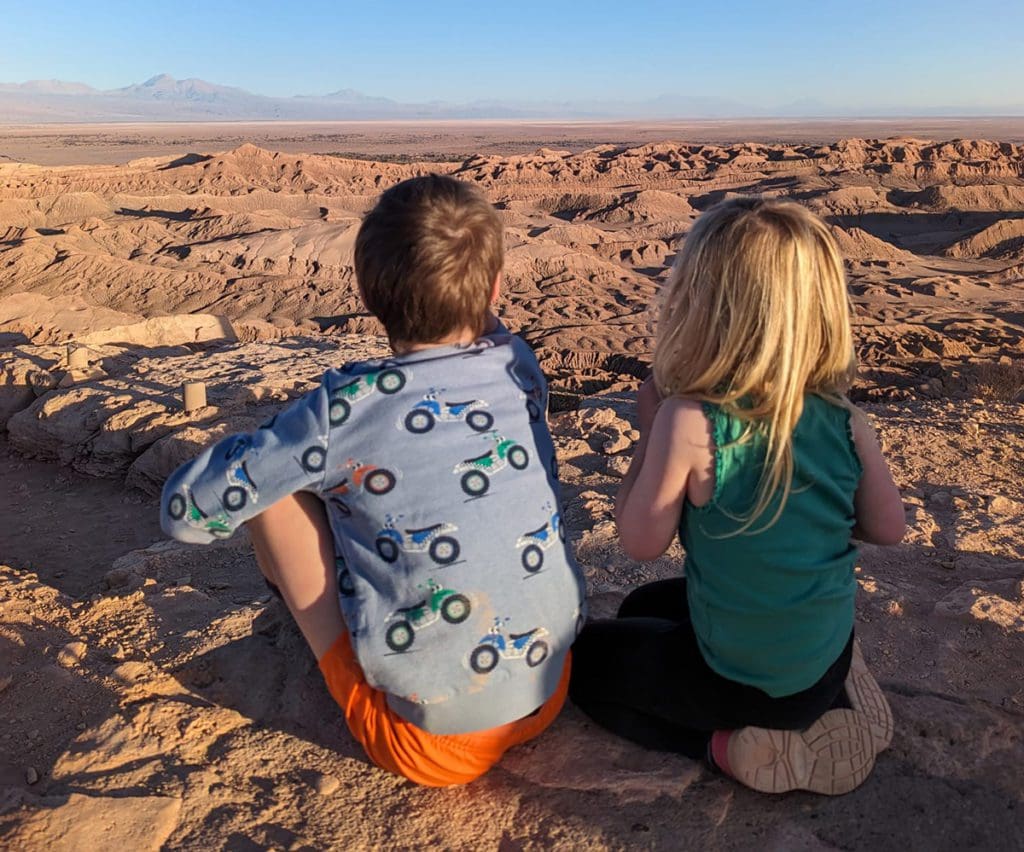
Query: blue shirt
point(440, 481)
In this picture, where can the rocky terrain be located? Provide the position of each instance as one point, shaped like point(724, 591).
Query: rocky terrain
point(153, 696)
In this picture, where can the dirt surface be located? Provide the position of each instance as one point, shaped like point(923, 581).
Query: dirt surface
point(163, 699)
point(92, 521)
point(153, 696)
point(110, 144)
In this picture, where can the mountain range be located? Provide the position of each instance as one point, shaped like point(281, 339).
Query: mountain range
point(164, 98)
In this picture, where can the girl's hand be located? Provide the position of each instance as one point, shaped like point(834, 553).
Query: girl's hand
point(647, 401)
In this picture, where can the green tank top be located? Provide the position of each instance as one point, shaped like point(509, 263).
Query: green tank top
point(773, 608)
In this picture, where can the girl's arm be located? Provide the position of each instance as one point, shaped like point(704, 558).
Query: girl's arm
point(650, 500)
point(877, 504)
point(647, 401)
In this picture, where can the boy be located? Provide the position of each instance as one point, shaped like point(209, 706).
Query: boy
point(435, 522)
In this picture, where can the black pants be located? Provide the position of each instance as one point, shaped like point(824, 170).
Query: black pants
point(643, 676)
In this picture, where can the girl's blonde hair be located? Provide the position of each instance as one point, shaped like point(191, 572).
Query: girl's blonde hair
point(754, 315)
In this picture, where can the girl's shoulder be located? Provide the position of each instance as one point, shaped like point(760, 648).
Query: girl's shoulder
point(689, 421)
point(684, 410)
point(693, 445)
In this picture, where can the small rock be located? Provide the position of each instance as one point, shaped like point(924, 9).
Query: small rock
point(88, 374)
point(1002, 506)
point(80, 726)
point(326, 785)
point(71, 654)
point(117, 577)
point(617, 466)
point(616, 444)
point(42, 381)
point(31, 775)
point(940, 498)
point(894, 609)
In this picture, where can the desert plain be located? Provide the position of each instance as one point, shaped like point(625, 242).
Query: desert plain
point(152, 695)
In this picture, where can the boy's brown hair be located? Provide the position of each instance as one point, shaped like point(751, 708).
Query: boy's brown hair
point(427, 257)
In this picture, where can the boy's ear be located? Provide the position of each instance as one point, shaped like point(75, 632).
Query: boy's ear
point(496, 288)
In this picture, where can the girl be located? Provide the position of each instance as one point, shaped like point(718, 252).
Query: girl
point(752, 454)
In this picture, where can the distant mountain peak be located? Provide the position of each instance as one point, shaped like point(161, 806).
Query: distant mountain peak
point(159, 80)
point(168, 88)
point(48, 87)
point(345, 93)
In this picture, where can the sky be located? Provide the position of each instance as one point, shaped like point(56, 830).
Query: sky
point(856, 53)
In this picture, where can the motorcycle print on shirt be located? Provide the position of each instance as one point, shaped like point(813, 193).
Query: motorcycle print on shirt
point(435, 540)
point(496, 646)
point(536, 542)
point(387, 381)
point(314, 457)
point(534, 397)
point(183, 506)
point(439, 604)
point(241, 489)
point(346, 588)
point(368, 478)
point(477, 472)
point(430, 411)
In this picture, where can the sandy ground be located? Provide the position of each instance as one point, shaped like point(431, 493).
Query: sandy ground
point(72, 144)
point(153, 696)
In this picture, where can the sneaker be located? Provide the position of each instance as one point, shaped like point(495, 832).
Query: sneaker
point(832, 757)
point(866, 697)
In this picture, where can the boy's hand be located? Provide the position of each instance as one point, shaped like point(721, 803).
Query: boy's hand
point(647, 401)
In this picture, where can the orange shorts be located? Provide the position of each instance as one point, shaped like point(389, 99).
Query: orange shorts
point(434, 760)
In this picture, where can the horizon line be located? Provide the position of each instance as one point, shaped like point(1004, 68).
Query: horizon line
point(577, 102)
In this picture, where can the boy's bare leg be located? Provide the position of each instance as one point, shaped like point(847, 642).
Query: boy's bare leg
point(295, 552)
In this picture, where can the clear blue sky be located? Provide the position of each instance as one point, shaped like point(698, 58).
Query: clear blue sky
point(846, 53)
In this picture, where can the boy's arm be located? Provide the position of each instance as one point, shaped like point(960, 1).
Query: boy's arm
point(880, 517)
point(240, 476)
